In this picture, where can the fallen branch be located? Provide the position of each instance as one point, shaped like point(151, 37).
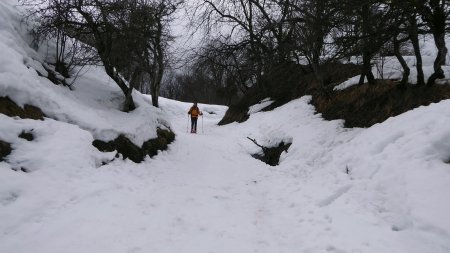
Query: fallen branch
point(257, 144)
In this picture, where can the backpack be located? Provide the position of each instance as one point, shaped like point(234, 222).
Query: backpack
point(194, 112)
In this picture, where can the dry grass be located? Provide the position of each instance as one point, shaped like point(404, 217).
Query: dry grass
point(366, 105)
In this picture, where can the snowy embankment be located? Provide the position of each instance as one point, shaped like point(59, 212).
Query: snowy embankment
point(381, 189)
point(93, 105)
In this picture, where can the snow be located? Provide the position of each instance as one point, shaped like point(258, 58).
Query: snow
point(380, 189)
point(260, 106)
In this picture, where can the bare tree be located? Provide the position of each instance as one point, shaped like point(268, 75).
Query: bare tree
point(413, 32)
point(128, 36)
point(70, 52)
point(408, 30)
point(371, 24)
point(313, 22)
point(260, 28)
point(436, 13)
point(397, 43)
point(155, 54)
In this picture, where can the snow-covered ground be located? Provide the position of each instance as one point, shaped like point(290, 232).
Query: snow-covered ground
point(206, 194)
point(381, 189)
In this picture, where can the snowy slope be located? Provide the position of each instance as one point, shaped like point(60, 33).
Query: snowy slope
point(93, 104)
point(394, 197)
point(381, 189)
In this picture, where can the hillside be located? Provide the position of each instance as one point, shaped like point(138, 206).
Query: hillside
point(336, 189)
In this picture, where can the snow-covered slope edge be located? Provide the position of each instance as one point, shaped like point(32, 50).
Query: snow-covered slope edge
point(386, 185)
point(93, 105)
point(40, 175)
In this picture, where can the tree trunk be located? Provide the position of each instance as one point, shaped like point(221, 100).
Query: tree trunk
point(103, 41)
point(367, 56)
point(439, 40)
point(406, 70)
point(155, 96)
point(129, 103)
point(361, 79)
point(434, 14)
point(317, 73)
point(414, 35)
point(367, 70)
point(134, 82)
point(156, 82)
point(158, 68)
point(316, 62)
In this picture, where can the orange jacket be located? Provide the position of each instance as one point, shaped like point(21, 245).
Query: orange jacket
point(194, 112)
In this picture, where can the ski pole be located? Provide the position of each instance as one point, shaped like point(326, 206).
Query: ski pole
point(187, 125)
point(202, 125)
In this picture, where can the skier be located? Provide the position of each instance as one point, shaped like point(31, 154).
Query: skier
point(194, 112)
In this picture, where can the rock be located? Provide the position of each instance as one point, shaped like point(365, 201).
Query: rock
point(11, 109)
point(104, 146)
point(131, 151)
point(5, 150)
point(128, 149)
point(26, 135)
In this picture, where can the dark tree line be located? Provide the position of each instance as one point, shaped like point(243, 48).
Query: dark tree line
point(215, 75)
point(247, 39)
point(129, 38)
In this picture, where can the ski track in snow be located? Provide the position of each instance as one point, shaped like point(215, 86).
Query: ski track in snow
point(197, 197)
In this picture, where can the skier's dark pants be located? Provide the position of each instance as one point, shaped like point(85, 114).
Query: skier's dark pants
point(193, 124)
